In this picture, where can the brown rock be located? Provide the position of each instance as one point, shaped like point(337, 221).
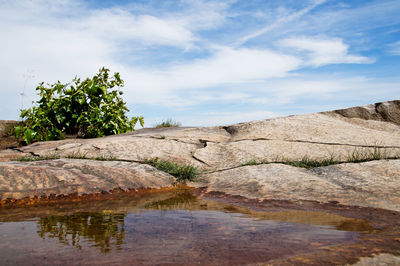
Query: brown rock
point(215, 150)
point(369, 184)
point(66, 176)
point(385, 111)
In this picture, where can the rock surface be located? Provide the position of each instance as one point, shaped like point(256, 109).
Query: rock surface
point(316, 136)
point(67, 176)
point(369, 184)
point(221, 152)
point(381, 260)
point(7, 139)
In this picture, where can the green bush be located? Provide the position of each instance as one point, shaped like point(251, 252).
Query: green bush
point(89, 108)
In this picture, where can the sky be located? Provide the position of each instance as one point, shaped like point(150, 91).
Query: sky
point(205, 63)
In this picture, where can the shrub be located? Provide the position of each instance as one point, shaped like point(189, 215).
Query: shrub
point(89, 108)
point(168, 123)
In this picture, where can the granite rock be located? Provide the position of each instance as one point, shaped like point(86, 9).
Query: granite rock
point(67, 176)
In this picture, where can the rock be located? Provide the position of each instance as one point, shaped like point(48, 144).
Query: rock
point(67, 176)
point(7, 139)
point(9, 155)
point(220, 153)
point(386, 112)
point(176, 144)
point(6, 126)
point(219, 156)
point(381, 259)
point(369, 184)
point(318, 136)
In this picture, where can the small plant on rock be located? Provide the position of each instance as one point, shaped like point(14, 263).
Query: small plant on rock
point(181, 172)
point(168, 123)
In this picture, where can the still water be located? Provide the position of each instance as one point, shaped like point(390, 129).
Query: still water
point(165, 228)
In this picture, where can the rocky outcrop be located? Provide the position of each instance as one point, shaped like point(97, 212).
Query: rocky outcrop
point(7, 139)
point(65, 176)
point(316, 136)
point(369, 184)
point(386, 111)
point(221, 152)
point(6, 126)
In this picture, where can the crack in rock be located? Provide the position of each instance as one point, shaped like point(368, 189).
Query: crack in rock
point(322, 143)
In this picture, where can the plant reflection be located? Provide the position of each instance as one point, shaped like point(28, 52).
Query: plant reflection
point(181, 200)
point(104, 229)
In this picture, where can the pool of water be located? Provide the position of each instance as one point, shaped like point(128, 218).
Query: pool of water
point(166, 228)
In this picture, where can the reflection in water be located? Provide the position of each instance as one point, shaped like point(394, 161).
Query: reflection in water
point(104, 229)
point(182, 200)
point(171, 228)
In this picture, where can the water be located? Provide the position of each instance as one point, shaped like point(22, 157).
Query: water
point(165, 228)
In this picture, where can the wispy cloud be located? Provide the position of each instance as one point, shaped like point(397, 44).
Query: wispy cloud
point(324, 51)
point(394, 48)
point(119, 25)
point(226, 66)
point(279, 22)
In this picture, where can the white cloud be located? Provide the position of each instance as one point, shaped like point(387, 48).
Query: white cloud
point(394, 48)
point(202, 15)
point(226, 66)
point(119, 25)
point(324, 51)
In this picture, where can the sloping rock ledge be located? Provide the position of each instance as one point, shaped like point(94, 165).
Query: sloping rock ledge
point(221, 152)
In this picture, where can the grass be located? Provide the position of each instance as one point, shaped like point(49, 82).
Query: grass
point(102, 157)
point(74, 155)
point(357, 156)
point(253, 162)
point(37, 158)
point(77, 155)
point(168, 123)
point(181, 172)
point(306, 162)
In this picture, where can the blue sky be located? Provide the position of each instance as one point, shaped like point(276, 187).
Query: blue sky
point(206, 62)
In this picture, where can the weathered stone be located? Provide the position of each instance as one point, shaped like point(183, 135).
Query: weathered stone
point(7, 139)
point(372, 184)
point(335, 134)
point(67, 176)
point(385, 111)
point(226, 155)
point(9, 155)
point(6, 126)
point(326, 128)
point(214, 150)
point(381, 259)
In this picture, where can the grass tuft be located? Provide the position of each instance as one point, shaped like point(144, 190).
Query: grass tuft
point(37, 158)
point(168, 123)
point(108, 157)
point(357, 156)
point(102, 157)
point(181, 172)
point(76, 155)
point(251, 162)
point(309, 163)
